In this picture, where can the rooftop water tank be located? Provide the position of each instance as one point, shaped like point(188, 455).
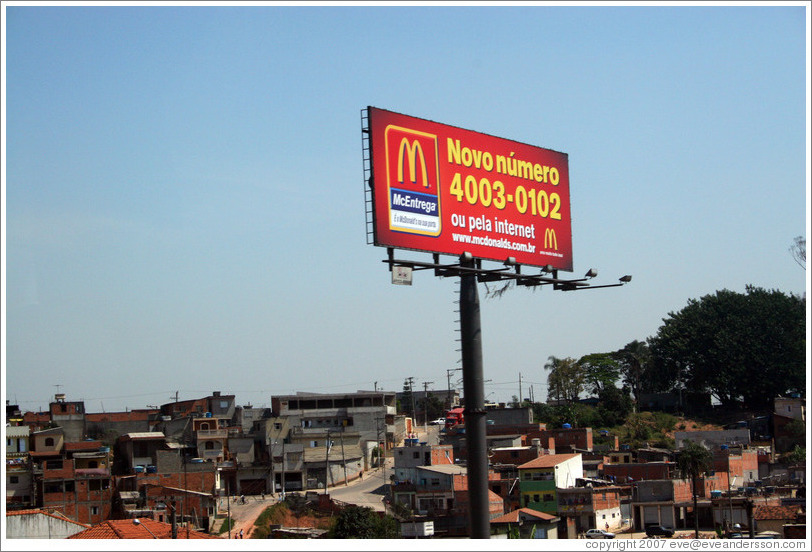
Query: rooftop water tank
point(567, 426)
point(208, 414)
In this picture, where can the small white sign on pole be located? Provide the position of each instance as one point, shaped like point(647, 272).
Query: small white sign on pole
point(402, 275)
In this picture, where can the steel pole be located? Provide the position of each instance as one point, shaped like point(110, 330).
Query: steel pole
point(474, 388)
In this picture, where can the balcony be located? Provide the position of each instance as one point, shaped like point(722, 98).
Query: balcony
point(212, 433)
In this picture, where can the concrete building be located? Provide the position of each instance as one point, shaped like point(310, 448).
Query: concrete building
point(591, 507)
point(530, 524)
point(19, 473)
point(539, 480)
point(370, 414)
point(70, 416)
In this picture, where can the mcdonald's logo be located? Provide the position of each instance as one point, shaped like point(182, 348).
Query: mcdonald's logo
point(412, 151)
point(550, 240)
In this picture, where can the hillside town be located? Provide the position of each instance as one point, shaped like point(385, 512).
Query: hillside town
point(176, 471)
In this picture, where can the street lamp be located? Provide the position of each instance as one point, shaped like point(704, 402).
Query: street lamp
point(137, 522)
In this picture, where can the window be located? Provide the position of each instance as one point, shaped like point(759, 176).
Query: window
point(94, 510)
point(435, 481)
point(209, 445)
point(53, 488)
point(415, 455)
point(536, 498)
point(13, 479)
point(49, 441)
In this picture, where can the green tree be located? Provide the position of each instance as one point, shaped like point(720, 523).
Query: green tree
point(739, 347)
point(614, 406)
point(693, 461)
point(432, 406)
point(566, 379)
point(601, 370)
point(797, 456)
point(360, 522)
point(634, 362)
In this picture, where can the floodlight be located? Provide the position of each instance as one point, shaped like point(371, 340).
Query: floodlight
point(626, 279)
point(591, 273)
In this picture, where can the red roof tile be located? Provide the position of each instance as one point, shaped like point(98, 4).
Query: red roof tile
point(144, 529)
point(776, 512)
point(513, 517)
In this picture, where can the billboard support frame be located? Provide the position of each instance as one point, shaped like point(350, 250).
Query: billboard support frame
point(546, 277)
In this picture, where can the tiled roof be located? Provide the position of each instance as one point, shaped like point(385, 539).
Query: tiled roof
point(776, 512)
point(144, 529)
point(513, 517)
point(548, 461)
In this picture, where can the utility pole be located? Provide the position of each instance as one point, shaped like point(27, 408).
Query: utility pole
point(520, 390)
point(426, 405)
point(326, 461)
point(410, 379)
point(343, 459)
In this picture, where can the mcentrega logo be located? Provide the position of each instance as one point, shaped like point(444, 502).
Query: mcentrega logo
point(412, 169)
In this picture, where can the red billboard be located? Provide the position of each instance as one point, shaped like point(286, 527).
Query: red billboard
point(448, 190)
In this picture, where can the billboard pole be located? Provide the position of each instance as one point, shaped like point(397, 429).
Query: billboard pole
point(474, 389)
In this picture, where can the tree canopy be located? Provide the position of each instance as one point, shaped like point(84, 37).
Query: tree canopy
point(566, 379)
point(742, 348)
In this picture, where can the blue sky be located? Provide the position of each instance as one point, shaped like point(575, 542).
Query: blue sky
point(183, 186)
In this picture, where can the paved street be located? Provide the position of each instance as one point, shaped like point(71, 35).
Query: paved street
point(368, 491)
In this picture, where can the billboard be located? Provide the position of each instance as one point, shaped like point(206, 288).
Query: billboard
point(443, 189)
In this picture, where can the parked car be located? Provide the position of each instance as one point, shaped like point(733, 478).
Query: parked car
point(659, 531)
point(599, 534)
point(438, 421)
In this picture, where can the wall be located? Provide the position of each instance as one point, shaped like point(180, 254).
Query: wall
point(712, 439)
point(40, 526)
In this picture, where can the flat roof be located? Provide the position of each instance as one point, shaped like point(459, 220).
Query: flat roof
point(447, 469)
